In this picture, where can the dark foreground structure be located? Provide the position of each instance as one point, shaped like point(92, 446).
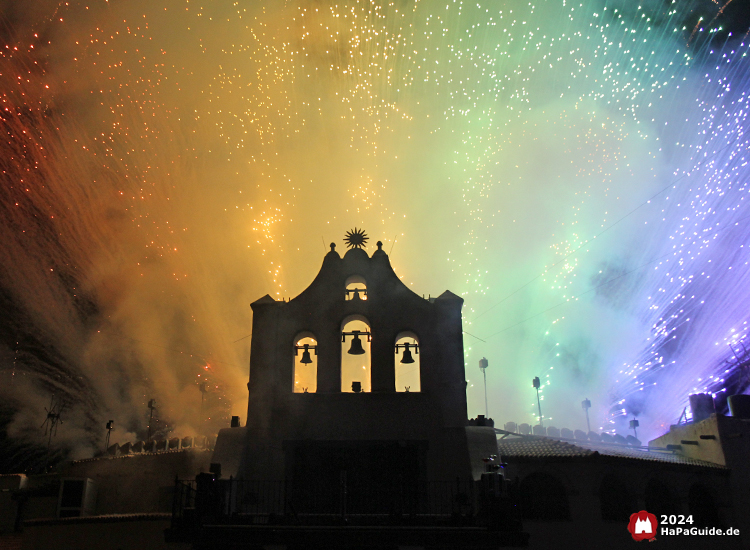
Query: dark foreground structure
point(357, 436)
point(357, 433)
point(239, 514)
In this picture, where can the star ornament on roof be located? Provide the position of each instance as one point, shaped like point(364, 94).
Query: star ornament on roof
point(356, 239)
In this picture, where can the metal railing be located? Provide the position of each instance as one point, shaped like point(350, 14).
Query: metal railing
point(233, 501)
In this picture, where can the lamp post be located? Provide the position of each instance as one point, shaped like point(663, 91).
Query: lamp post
point(483, 365)
point(538, 384)
point(586, 405)
point(203, 389)
point(152, 406)
point(110, 427)
point(634, 426)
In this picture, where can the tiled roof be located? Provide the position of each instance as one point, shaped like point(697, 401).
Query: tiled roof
point(523, 446)
point(135, 455)
point(109, 518)
point(538, 447)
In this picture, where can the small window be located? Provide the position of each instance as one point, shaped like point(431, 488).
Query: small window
point(356, 289)
point(355, 356)
point(305, 365)
point(407, 365)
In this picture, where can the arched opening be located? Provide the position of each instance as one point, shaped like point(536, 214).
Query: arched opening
point(355, 355)
point(407, 365)
point(615, 500)
point(543, 497)
point(305, 363)
point(703, 506)
point(660, 499)
point(356, 288)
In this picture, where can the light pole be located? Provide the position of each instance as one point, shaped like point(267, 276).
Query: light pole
point(538, 384)
point(483, 365)
point(586, 405)
point(203, 389)
point(152, 406)
point(110, 427)
point(634, 426)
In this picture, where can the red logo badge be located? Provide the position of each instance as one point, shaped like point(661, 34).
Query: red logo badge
point(642, 526)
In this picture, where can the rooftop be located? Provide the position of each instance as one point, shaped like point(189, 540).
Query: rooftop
point(511, 445)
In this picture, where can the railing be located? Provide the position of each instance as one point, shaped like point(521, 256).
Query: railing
point(315, 502)
point(183, 500)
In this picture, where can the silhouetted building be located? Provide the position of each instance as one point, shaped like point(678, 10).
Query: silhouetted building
point(380, 429)
point(567, 488)
point(357, 401)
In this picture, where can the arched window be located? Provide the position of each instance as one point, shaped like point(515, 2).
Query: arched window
point(407, 363)
point(355, 354)
point(703, 506)
point(543, 497)
point(660, 499)
point(356, 288)
point(615, 500)
point(305, 364)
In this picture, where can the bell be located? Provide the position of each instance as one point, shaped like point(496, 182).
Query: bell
point(407, 358)
point(356, 295)
point(356, 347)
point(306, 359)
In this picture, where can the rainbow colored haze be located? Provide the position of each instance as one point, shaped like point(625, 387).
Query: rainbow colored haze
point(575, 170)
